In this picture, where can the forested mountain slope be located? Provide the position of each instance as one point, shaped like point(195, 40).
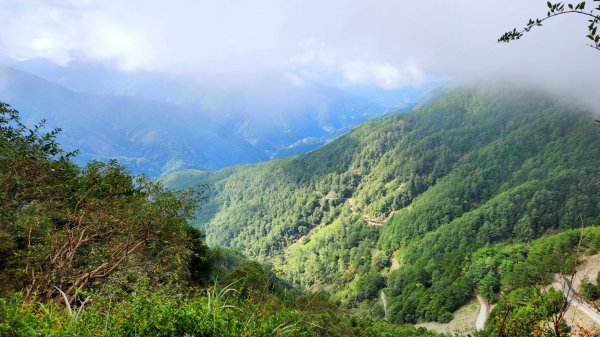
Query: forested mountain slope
point(96, 251)
point(404, 202)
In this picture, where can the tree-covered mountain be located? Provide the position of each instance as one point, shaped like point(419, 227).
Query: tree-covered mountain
point(403, 203)
point(97, 251)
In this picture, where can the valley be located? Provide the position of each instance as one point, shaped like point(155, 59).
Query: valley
point(459, 213)
point(299, 168)
point(428, 191)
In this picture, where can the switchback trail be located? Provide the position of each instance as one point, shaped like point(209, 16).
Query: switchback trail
point(564, 285)
point(384, 301)
point(484, 310)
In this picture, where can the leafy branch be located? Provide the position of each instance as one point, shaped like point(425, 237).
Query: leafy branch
point(556, 9)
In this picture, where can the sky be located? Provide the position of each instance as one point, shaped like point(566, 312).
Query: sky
point(384, 43)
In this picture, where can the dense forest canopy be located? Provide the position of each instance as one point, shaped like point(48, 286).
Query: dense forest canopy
point(405, 203)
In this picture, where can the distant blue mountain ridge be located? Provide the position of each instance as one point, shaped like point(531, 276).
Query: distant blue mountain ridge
point(154, 124)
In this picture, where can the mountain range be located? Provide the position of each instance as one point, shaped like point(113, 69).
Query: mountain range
point(400, 206)
point(415, 203)
point(155, 124)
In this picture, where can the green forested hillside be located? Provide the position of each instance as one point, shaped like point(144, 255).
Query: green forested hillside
point(97, 251)
point(404, 202)
point(483, 191)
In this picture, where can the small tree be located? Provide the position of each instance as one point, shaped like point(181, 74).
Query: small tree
point(64, 227)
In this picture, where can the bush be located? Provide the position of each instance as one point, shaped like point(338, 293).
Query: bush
point(589, 291)
point(214, 314)
point(368, 285)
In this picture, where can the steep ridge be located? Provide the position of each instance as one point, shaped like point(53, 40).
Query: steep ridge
point(477, 167)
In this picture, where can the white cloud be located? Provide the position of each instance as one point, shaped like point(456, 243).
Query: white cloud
point(318, 62)
point(383, 75)
point(295, 80)
point(386, 42)
point(48, 47)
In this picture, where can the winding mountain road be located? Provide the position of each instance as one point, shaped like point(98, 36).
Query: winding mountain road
point(384, 301)
point(484, 311)
point(563, 284)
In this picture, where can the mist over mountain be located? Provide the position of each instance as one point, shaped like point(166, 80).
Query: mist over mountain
point(155, 124)
point(146, 136)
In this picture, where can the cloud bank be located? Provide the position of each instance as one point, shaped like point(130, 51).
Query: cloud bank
point(387, 43)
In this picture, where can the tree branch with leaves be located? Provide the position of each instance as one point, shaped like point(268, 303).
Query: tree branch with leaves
point(557, 9)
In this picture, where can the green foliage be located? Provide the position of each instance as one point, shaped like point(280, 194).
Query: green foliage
point(152, 315)
point(250, 277)
point(590, 291)
point(199, 265)
point(528, 312)
point(504, 268)
point(98, 251)
point(517, 272)
point(425, 190)
point(183, 179)
point(69, 229)
point(218, 312)
point(556, 9)
point(368, 285)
